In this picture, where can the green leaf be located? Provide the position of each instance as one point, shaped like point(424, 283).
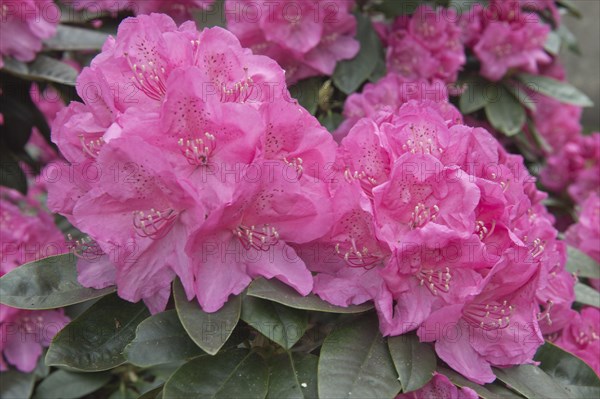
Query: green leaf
point(573, 373)
point(531, 382)
point(11, 174)
point(415, 361)
point(561, 91)
point(581, 264)
point(42, 68)
point(553, 43)
point(16, 385)
point(209, 331)
point(123, 394)
point(67, 385)
point(276, 291)
point(279, 323)
point(293, 376)
point(230, 374)
point(46, 284)
point(505, 113)
point(70, 38)
point(587, 295)
point(331, 121)
point(95, 340)
point(161, 339)
point(214, 15)
point(487, 391)
point(569, 39)
point(349, 75)
point(307, 93)
point(521, 95)
point(153, 393)
point(475, 96)
point(571, 7)
point(355, 363)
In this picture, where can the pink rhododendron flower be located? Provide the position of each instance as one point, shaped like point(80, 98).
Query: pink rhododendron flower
point(440, 226)
point(25, 24)
point(427, 46)
point(49, 103)
point(307, 38)
point(582, 337)
point(575, 167)
point(180, 10)
point(511, 38)
point(27, 233)
point(209, 176)
point(440, 387)
point(389, 93)
point(585, 234)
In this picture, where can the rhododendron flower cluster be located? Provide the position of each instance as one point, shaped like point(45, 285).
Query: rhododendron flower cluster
point(27, 233)
point(25, 24)
point(208, 175)
point(443, 229)
point(178, 9)
point(582, 337)
point(505, 36)
point(426, 45)
point(307, 38)
point(388, 94)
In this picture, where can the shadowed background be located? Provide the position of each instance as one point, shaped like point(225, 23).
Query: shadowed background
point(584, 70)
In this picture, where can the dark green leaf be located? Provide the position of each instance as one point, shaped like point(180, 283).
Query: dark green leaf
point(209, 331)
point(214, 15)
point(276, 291)
point(46, 284)
point(293, 376)
point(331, 121)
point(11, 175)
point(16, 385)
point(349, 75)
point(476, 95)
point(573, 373)
point(279, 323)
point(581, 264)
point(394, 8)
point(161, 339)
point(415, 361)
point(587, 295)
point(307, 93)
point(153, 393)
point(95, 340)
point(521, 95)
point(561, 91)
point(42, 68)
point(70, 38)
point(229, 374)
point(63, 384)
point(380, 69)
point(531, 382)
point(505, 113)
point(571, 7)
point(355, 363)
point(487, 391)
point(123, 394)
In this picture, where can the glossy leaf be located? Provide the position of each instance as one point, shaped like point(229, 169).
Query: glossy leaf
point(415, 361)
point(67, 385)
point(586, 295)
point(279, 323)
point(553, 43)
point(16, 385)
point(505, 113)
point(293, 376)
point(349, 75)
point(46, 284)
point(573, 373)
point(476, 95)
point(581, 264)
point(277, 291)
point(161, 339)
point(561, 91)
point(70, 38)
point(209, 331)
point(229, 374)
point(95, 340)
point(355, 363)
point(152, 394)
point(531, 382)
point(487, 391)
point(42, 68)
